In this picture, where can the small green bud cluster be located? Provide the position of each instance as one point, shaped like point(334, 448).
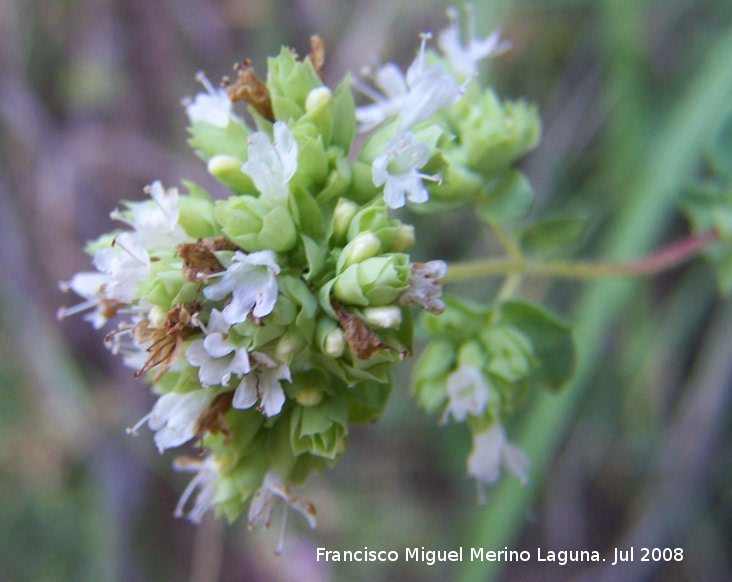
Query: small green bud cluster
point(480, 364)
point(270, 321)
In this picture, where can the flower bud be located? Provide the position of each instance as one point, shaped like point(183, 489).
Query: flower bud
point(318, 97)
point(335, 343)
point(309, 396)
point(256, 224)
point(385, 317)
point(364, 246)
point(227, 170)
point(375, 281)
point(290, 82)
point(344, 212)
point(403, 238)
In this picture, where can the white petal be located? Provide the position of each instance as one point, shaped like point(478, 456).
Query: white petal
point(484, 462)
point(216, 346)
point(246, 394)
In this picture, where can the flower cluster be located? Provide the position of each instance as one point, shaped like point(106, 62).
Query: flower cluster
point(478, 367)
point(270, 320)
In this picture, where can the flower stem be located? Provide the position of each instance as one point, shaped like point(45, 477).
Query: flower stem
point(662, 260)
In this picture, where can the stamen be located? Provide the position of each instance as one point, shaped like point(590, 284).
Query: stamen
point(425, 36)
point(117, 215)
point(64, 312)
point(203, 79)
point(283, 531)
point(133, 430)
point(116, 242)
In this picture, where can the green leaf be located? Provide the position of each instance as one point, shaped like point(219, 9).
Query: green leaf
point(552, 235)
point(506, 199)
point(551, 339)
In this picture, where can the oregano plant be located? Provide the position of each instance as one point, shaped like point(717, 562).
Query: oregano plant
point(271, 320)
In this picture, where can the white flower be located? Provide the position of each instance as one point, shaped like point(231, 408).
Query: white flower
point(207, 475)
point(464, 59)
point(174, 417)
point(217, 357)
point(127, 264)
point(491, 450)
point(415, 97)
point(468, 393)
point(91, 286)
point(155, 221)
point(212, 107)
point(271, 166)
point(425, 286)
point(396, 170)
point(268, 496)
point(251, 280)
point(263, 382)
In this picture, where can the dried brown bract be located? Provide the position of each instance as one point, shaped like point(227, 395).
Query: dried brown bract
point(251, 89)
point(363, 342)
point(167, 341)
point(199, 260)
point(213, 420)
point(317, 55)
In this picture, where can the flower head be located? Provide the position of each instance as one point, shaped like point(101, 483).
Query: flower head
point(396, 170)
point(216, 355)
point(464, 59)
point(271, 166)
point(491, 450)
point(251, 280)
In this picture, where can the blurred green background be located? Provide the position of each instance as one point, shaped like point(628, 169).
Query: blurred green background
point(637, 452)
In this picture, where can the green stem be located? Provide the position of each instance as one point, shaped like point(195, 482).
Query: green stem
point(667, 258)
